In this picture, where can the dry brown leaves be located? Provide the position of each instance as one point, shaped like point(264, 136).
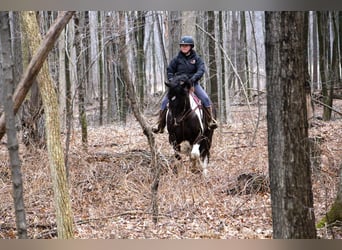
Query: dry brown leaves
point(110, 185)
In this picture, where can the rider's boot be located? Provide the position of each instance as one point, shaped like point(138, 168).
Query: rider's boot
point(212, 123)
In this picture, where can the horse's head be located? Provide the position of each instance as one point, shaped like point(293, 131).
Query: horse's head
point(181, 79)
point(178, 91)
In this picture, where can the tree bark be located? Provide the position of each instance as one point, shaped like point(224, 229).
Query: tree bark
point(212, 88)
point(289, 162)
point(36, 64)
point(80, 82)
point(56, 158)
point(6, 77)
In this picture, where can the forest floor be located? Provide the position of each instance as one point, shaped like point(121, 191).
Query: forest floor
point(110, 184)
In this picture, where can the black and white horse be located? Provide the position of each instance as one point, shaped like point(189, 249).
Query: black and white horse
point(188, 132)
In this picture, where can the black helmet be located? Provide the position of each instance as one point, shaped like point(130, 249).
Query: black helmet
point(187, 40)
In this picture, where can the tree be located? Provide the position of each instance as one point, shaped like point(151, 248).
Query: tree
point(139, 37)
point(36, 64)
point(6, 76)
point(325, 62)
point(289, 162)
point(212, 67)
point(52, 124)
point(80, 80)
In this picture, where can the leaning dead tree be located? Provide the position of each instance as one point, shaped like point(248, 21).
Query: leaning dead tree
point(146, 129)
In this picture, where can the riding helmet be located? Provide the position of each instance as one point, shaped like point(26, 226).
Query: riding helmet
point(187, 40)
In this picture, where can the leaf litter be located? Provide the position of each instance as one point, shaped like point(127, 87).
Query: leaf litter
point(110, 185)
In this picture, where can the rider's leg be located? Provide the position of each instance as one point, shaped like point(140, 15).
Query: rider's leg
point(206, 103)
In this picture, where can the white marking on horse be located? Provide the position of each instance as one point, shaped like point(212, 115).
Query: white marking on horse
point(205, 165)
point(197, 110)
point(195, 152)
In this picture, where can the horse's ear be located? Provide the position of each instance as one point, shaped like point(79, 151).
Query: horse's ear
point(168, 84)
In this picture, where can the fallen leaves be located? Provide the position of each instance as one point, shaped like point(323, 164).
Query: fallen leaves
point(110, 186)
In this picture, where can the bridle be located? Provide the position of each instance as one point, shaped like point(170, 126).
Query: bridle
point(186, 111)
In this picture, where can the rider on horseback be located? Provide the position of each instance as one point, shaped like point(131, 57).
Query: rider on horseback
point(187, 62)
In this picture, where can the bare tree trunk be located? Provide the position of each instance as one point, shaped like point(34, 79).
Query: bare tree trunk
point(36, 64)
point(219, 63)
point(188, 23)
point(257, 75)
point(146, 130)
point(16, 46)
point(121, 71)
point(109, 58)
point(288, 144)
point(62, 80)
point(6, 79)
point(57, 166)
point(212, 88)
point(139, 36)
point(101, 66)
point(94, 72)
point(227, 71)
point(314, 52)
point(80, 82)
point(175, 32)
point(309, 103)
point(324, 62)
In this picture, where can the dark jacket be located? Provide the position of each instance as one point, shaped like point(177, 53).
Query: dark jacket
point(192, 65)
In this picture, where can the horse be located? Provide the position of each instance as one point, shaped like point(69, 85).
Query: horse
point(187, 125)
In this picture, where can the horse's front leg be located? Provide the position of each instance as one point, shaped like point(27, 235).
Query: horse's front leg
point(200, 159)
point(195, 159)
point(176, 148)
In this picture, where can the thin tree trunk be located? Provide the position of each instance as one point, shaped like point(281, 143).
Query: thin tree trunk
point(146, 130)
point(315, 53)
point(175, 32)
point(324, 64)
point(6, 77)
point(101, 68)
point(94, 72)
point(121, 71)
point(227, 72)
point(80, 83)
point(257, 76)
point(212, 90)
point(62, 79)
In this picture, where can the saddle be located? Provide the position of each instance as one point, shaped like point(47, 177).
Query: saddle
point(196, 99)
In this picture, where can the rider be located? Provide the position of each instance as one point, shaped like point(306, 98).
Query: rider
point(187, 62)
